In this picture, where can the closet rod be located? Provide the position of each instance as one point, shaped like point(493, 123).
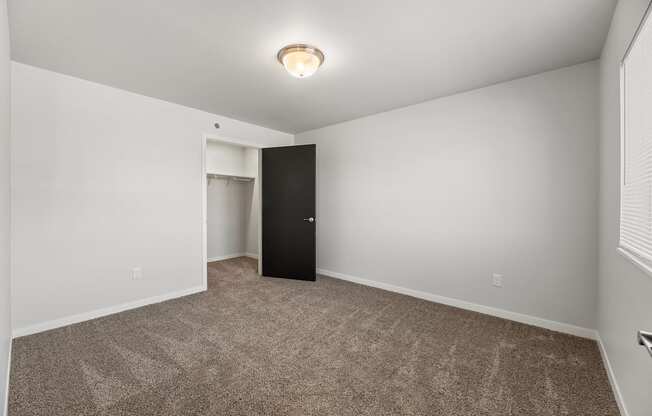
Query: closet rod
point(230, 177)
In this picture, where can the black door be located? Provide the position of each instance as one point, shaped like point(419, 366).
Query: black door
point(288, 205)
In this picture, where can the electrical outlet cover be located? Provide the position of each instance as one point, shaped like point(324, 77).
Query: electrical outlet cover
point(497, 280)
point(136, 273)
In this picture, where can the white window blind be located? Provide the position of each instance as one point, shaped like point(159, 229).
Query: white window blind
point(636, 149)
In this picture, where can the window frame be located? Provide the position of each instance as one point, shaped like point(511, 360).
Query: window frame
point(637, 260)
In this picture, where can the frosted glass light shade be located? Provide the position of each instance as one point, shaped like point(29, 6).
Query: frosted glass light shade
point(300, 61)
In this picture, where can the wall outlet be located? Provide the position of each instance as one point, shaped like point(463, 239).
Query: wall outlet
point(497, 280)
point(136, 273)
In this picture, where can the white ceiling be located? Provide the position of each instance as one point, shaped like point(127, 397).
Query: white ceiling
point(220, 56)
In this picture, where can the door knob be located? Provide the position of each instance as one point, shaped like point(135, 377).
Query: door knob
point(311, 219)
point(645, 339)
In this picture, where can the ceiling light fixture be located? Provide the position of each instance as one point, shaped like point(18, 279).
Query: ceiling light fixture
point(300, 60)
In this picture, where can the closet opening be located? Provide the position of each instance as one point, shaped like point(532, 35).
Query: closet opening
point(231, 226)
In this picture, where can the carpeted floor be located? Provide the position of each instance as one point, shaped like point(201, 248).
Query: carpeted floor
point(260, 346)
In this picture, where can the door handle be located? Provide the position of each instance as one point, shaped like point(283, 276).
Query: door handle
point(645, 339)
point(311, 219)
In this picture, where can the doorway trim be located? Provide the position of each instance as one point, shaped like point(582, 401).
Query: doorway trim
point(204, 204)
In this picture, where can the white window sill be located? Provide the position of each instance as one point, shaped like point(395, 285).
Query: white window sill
point(634, 259)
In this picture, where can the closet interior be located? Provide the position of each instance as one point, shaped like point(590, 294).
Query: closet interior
point(232, 201)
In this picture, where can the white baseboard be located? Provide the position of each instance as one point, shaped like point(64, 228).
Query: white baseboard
point(612, 379)
point(501, 313)
point(98, 313)
point(225, 257)
point(232, 256)
point(6, 405)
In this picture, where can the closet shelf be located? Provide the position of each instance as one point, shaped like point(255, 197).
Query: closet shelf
point(238, 178)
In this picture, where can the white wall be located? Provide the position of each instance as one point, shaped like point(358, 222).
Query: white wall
point(5, 204)
point(624, 290)
point(435, 197)
point(232, 207)
point(105, 180)
point(226, 159)
point(253, 212)
point(228, 207)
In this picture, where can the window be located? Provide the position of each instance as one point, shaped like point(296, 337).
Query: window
point(636, 149)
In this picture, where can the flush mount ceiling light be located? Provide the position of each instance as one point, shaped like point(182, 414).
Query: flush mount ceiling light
point(300, 60)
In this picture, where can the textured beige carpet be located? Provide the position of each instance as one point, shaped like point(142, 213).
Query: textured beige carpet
point(258, 346)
